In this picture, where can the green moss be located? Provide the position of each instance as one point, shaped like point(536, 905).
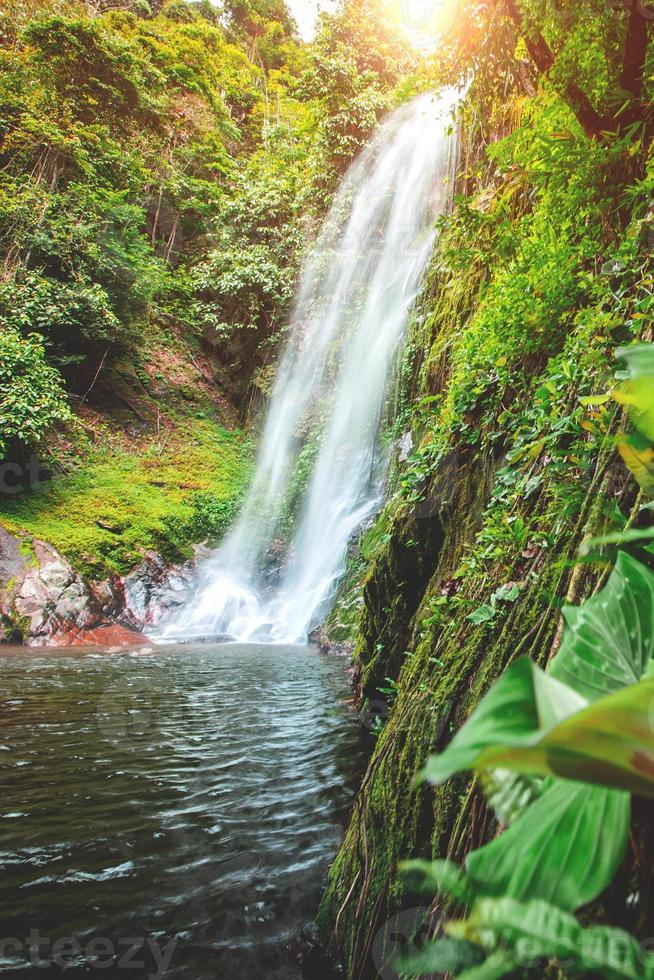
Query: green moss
point(512, 469)
point(119, 503)
point(450, 664)
point(26, 548)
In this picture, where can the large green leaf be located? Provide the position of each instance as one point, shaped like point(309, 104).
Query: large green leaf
point(537, 930)
point(637, 392)
point(610, 743)
point(607, 743)
point(609, 640)
point(620, 537)
point(565, 849)
point(524, 702)
point(638, 359)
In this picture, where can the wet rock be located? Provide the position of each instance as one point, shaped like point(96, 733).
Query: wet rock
point(108, 598)
point(12, 558)
point(320, 637)
point(105, 635)
point(316, 962)
point(404, 446)
point(43, 600)
point(50, 597)
point(155, 589)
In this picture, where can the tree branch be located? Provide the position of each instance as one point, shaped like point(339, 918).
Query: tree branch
point(593, 124)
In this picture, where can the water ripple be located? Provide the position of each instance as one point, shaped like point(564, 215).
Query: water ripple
point(196, 795)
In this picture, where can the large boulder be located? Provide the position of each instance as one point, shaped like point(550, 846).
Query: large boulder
point(44, 601)
point(154, 590)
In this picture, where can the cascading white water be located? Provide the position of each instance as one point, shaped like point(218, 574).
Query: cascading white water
point(357, 289)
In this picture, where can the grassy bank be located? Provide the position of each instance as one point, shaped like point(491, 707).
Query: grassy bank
point(153, 459)
point(121, 503)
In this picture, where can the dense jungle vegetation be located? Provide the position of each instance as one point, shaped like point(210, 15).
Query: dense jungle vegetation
point(161, 168)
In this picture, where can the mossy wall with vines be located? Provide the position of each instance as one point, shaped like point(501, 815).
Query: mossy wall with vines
point(539, 274)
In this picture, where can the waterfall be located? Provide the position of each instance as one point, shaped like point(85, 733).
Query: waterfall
point(358, 286)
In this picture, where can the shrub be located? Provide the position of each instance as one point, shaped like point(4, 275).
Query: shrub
point(71, 319)
point(32, 397)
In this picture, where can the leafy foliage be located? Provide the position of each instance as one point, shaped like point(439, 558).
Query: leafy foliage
point(519, 935)
point(357, 60)
point(32, 397)
point(70, 319)
point(155, 170)
point(589, 719)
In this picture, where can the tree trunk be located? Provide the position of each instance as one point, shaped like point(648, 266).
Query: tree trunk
point(593, 124)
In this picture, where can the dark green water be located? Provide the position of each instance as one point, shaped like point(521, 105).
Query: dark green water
point(188, 799)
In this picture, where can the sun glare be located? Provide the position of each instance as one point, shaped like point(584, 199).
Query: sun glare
point(422, 21)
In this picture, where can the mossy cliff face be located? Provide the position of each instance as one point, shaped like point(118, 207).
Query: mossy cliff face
point(441, 674)
point(514, 469)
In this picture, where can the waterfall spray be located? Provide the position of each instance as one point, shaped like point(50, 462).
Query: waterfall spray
point(358, 286)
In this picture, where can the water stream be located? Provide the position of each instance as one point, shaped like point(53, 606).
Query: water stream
point(358, 286)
